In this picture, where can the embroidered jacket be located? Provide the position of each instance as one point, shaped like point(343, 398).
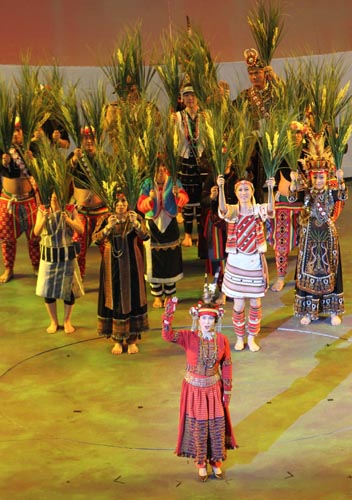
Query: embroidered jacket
point(185, 146)
point(165, 199)
point(245, 233)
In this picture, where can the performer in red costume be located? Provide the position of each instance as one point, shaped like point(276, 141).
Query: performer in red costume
point(205, 430)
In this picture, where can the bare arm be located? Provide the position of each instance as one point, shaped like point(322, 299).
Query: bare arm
point(271, 200)
point(42, 217)
point(222, 199)
point(74, 223)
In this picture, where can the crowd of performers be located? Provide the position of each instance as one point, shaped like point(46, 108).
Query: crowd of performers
point(236, 215)
point(142, 244)
point(218, 202)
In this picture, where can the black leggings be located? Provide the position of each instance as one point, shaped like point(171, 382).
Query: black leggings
point(157, 289)
point(190, 212)
point(67, 302)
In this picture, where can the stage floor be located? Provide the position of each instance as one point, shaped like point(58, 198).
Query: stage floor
point(77, 422)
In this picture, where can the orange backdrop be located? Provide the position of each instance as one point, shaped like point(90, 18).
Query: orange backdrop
point(84, 32)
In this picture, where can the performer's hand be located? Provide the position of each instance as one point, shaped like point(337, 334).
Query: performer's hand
point(170, 306)
point(294, 176)
point(133, 218)
point(270, 182)
point(45, 211)
point(214, 192)
point(65, 216)
point(111, 221)
point(220, 180)
point(339, 175)
point(226, 398)
point(152, 194)
point(28, 155)
point(77, 155)
point(5, 160)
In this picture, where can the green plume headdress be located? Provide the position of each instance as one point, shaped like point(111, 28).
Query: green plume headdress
point(30, 105)
point(93, 108)
point(273, 142)
point(169, 70)
point(267, 29)
point(127, 66)
point(71, 113)
point(51, 173)
point(7, 115)
point(198, 65)
point(219, 133)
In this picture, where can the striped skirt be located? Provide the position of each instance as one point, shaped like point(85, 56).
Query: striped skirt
point(205, 430)
point(56, 280)
point(245, 276)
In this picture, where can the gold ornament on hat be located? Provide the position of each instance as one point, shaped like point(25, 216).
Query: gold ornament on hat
point(252, 59)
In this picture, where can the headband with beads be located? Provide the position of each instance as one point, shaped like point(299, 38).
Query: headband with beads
point(202, 308)
point(88, 131)
point(244, 182)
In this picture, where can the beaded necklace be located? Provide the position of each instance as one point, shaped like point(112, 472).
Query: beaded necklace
point(322, 204)
point(86, 170)
point(256, 97)
point(18, 160)
point(118, 240)
point(191, 127)
point(207, 357)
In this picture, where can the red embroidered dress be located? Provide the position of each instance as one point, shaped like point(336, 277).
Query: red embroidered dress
point(246, 235)
point(205, 430)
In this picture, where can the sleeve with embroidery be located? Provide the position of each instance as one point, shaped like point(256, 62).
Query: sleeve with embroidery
point(226, 373)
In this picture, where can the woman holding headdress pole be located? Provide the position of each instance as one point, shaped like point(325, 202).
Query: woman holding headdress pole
point(122, 301)
point(246, 273)
point(319, 287)
point(58, 276)
point(205, 431)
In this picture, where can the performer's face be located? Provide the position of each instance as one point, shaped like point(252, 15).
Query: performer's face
point(54, 202)
point(319, 180)
point(161, 174)
point(121, 205)
point(257, 78)
point(244, 193)
point(17, 137)
point(189, 100)
point(206, 323)
point(89, 146)
point(298, 137)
